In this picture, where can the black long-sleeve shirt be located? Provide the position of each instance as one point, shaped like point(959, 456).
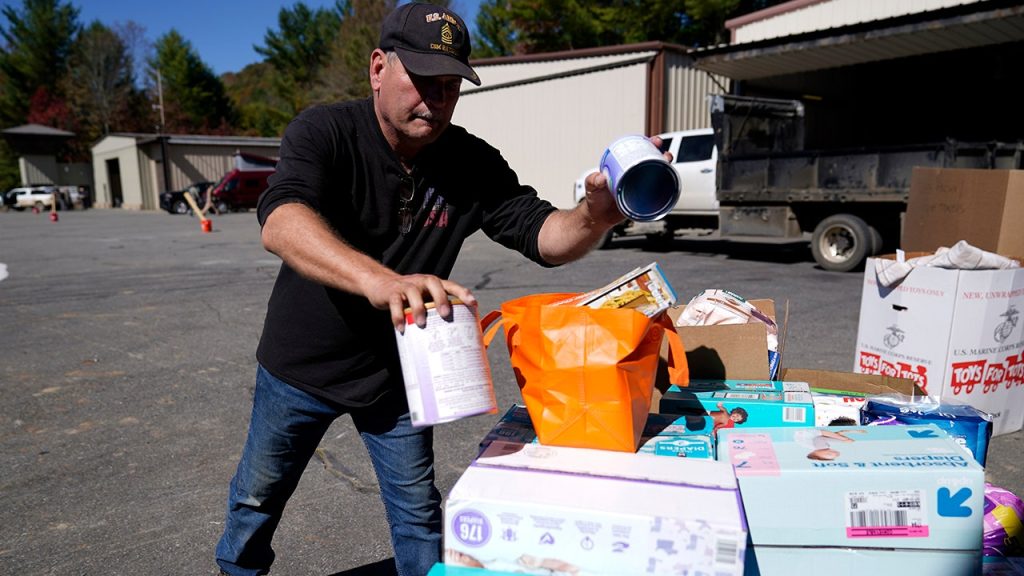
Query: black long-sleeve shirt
point(335, 159)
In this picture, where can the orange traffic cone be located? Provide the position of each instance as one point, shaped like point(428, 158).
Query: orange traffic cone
point(53, 212)
point(206, 224)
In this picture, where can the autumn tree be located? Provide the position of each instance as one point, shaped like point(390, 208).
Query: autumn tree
point(193, 96)
point(37, 41)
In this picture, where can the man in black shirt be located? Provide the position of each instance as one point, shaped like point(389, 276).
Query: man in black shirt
point(368, 209)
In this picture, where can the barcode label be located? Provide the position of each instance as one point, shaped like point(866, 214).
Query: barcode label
point(795, 387)
point(886, 514)
point(741, 395)
point(726, 551)
point(794, 414)
point(880, 518)
point(799, 398)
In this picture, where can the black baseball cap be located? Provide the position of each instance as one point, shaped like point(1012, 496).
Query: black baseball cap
point(430, 40)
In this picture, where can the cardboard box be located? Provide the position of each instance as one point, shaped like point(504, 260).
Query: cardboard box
point(729, 352)
point(983, 207)
point(841, 394)
point(747, 403)
point(602, 512)
point(851, 383)
point(900, 499)
point(446, 570)
point(957, 333)
point(663, 435)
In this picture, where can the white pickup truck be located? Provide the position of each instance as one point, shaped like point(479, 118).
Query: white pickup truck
point(30, 196)
point(695, 159)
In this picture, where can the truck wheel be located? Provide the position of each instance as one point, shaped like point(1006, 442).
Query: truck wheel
point(842, 242)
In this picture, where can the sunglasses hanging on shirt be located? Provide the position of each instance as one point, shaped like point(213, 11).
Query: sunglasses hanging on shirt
point(405, 215)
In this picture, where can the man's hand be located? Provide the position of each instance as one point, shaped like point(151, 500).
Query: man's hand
point(600, 200)
point(306, 243)
point(395, 292)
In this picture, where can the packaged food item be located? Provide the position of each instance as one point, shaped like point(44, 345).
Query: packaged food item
point(645, 289)
point(717, 307)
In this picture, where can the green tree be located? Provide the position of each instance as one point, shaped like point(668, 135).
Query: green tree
point(193, 97)
point(100, 82)
point(345, 75)
point(298, 50)
point(37, 43)
point(507, 27)
point(253, 93)
point(494, 35)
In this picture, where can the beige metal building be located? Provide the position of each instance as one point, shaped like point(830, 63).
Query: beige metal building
point(38, 148)
point(129, 172)
point(552, 115)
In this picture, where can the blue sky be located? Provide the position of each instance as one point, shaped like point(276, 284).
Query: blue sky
point(223, 32)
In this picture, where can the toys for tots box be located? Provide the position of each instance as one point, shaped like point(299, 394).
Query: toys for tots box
point(535, 509)
point(957, 333)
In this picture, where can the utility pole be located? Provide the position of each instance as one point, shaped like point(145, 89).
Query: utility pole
point(161, 136)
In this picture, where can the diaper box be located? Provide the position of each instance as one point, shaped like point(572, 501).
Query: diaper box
point(908, 498)
point(742, 403)
point(670, 435)
point(520, 507)
point(513, 426)
point(663, 435)
point(450, 570)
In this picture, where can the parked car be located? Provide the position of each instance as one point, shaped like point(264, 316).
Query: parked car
point(174, 201)
point(41, 197)
point(240, 189)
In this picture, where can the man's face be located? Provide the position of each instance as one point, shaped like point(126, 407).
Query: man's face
point(413, 109)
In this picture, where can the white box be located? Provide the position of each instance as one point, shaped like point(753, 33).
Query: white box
point(957, 333)
point(858, 500)
point(602, 512)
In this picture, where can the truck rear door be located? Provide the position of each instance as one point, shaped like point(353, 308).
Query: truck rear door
point(695, 160)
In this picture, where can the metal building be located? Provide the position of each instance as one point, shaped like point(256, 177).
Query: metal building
point(552, 115)
point(129, 171)
point(891, 73)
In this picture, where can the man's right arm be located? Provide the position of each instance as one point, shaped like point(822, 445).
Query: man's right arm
point(307, 244)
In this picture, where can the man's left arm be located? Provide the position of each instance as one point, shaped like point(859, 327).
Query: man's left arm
point(568, 235)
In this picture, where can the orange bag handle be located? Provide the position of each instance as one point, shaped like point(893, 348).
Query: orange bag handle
point(488, 330)
point(678, 369)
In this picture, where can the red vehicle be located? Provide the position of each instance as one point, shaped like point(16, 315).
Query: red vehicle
point(240, 188)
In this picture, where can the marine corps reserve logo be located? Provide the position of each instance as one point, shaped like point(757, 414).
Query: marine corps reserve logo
point(446, 34)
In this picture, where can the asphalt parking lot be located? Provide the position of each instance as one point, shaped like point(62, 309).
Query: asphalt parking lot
point(127, 366)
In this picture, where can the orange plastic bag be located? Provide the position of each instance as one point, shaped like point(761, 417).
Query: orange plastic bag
point(586, 375)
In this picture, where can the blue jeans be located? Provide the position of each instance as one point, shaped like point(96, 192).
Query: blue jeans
point(286, 426)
